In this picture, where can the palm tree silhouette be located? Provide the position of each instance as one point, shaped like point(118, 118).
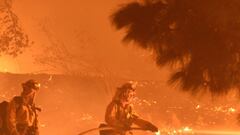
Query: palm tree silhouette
point(200, 39)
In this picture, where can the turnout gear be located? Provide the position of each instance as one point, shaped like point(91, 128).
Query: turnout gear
point(19, 116)
point(120, 113)
point(22, 118)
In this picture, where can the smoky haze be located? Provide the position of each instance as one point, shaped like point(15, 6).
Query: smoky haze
point(72, 104)
point(80, 34)
point(82, 60)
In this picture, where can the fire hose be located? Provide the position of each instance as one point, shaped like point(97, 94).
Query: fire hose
point(107, 128)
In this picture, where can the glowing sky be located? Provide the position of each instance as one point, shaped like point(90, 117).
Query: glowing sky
point(85, 29)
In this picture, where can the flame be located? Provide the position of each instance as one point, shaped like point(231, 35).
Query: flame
point(187, 129)
point(206, 132)
point(232, 110)
point(158, 132)
point(8, 65)
point(198, 106)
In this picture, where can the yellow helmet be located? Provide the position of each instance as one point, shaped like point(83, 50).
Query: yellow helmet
point(31, 84)
point(124, 88)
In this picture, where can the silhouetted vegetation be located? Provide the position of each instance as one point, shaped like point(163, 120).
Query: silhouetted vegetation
point(200, 39)
point(12, 37)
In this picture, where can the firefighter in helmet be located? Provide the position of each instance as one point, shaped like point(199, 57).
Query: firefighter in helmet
point(22, 115)
point(120, 114)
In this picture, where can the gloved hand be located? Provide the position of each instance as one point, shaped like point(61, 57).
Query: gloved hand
point(151, 127)
point(126, 128)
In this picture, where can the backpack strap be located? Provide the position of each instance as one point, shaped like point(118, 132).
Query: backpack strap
point(117, 108)
point(18, 101)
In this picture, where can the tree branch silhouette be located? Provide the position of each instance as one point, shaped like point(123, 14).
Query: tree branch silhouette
point(200, 39)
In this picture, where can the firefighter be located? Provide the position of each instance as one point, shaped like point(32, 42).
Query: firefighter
point(22, 112)
point(120, 113)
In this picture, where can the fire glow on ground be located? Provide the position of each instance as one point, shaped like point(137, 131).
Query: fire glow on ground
point(188, 131)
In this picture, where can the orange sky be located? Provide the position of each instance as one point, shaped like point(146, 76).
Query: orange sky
point(85, 29)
